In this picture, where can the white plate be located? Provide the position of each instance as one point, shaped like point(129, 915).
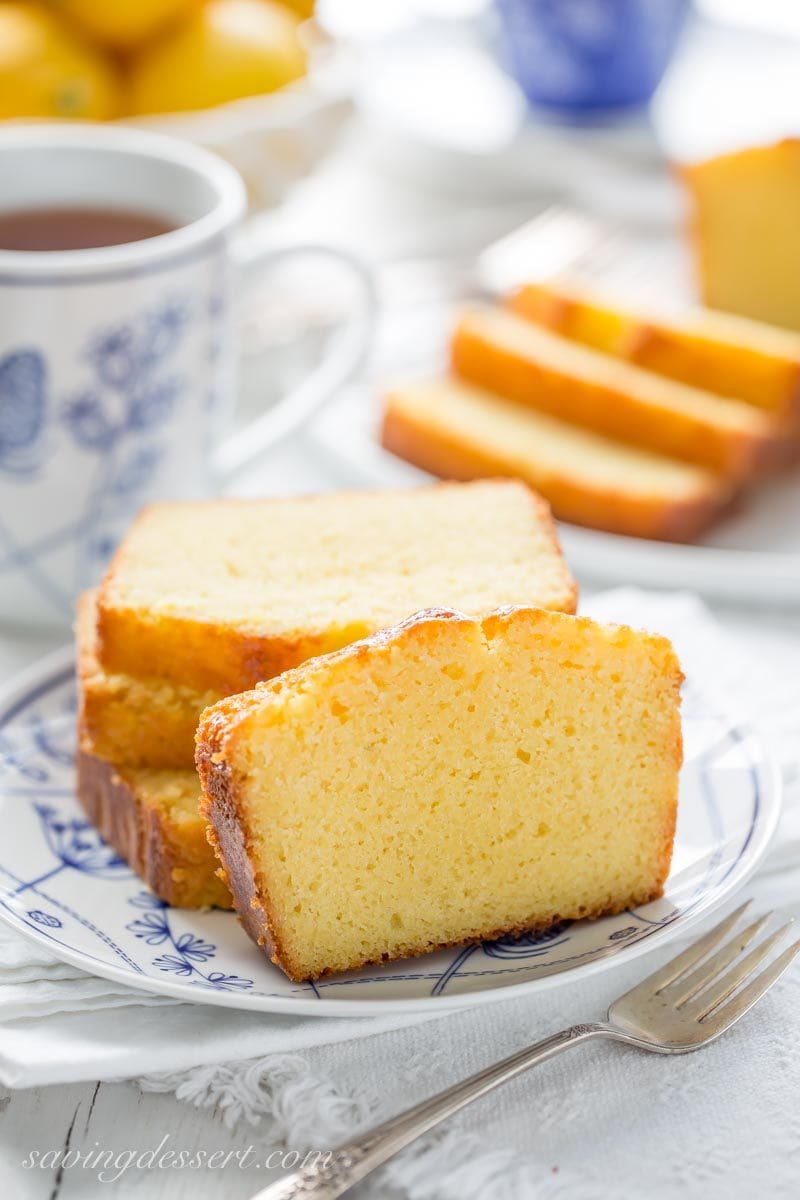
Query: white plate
point(61, 885)
point(753, 556)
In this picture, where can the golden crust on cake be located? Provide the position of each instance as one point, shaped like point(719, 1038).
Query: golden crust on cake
point(220, 594)
point(152, 819)
point(459, 431)
point(124, 719)
point(526, 363)
point(445, 781)
point(715, 351)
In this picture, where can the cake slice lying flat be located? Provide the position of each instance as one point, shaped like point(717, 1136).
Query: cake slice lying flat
point(462, 432)
point(124, 719)
point(221, 594)
point(729, 355)
point(523, 362)
point(152, 820)
point(446, 780)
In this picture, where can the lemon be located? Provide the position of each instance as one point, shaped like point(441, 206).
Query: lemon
point(225, 50)
point(48, 71)
point(123, 24)
point(303, 8)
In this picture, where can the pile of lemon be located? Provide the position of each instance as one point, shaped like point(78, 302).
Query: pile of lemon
point(98, 59)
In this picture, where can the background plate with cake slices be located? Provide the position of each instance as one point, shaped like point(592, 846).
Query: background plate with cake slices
point(61, 885)
point(751, 556)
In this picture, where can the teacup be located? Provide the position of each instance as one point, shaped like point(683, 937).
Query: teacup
point(591, 60)
point(118, 362)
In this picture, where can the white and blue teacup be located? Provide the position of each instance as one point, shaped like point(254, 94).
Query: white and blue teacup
point(117, 364)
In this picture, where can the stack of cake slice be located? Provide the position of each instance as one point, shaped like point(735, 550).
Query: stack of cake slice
point(206, 599)
point(635, 424)
point(436, 750)
point(135, 772)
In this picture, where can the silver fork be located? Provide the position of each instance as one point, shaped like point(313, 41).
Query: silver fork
point(679, 1008)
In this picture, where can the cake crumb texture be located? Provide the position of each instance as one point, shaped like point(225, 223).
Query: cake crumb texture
point(221, 594)
point(445, 781)
point(745, 233)
point(460, 431)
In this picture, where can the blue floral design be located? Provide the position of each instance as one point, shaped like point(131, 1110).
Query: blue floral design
point(46, 919)
point(136, 471)
point(127, 395)
point(114, 356)
point(115, 416)
point(89, 423)
point(101, 546)
point(152, 928)
point(43, 739)
point(42, 745)
point(77, 844)
point(129, 398)
point(164, 330)
point(153, 403)
point(227, 983)
point(171, 962)
point(619, 934)
point(72, 841)
point(528, 945)
point(16, 761)
point(186, 950)
point(195, 948)
point(23, 410)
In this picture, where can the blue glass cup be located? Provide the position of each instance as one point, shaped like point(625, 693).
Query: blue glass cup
point(584, 58)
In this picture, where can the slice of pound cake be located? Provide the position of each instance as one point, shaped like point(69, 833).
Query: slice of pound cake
point(744, 230)
point(715, 351)
point(462, 432)
point(124, 719)
point(152, 820)
point(524, 362)
point(221, 594)
point(447, 780)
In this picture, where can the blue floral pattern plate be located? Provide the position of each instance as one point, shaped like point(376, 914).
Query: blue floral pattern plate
point(63, 886)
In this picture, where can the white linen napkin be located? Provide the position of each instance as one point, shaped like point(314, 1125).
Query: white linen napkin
point(313, 1078)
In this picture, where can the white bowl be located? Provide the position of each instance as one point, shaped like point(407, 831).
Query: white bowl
point(277, 139)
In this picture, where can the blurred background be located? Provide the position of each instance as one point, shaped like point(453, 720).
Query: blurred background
point(421, 133)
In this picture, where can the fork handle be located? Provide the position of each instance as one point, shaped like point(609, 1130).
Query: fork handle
point(350, 1162)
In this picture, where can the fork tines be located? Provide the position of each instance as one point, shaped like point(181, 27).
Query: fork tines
point(698, 985)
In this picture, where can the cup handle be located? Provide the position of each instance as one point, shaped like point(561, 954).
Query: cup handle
point(337, 366)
